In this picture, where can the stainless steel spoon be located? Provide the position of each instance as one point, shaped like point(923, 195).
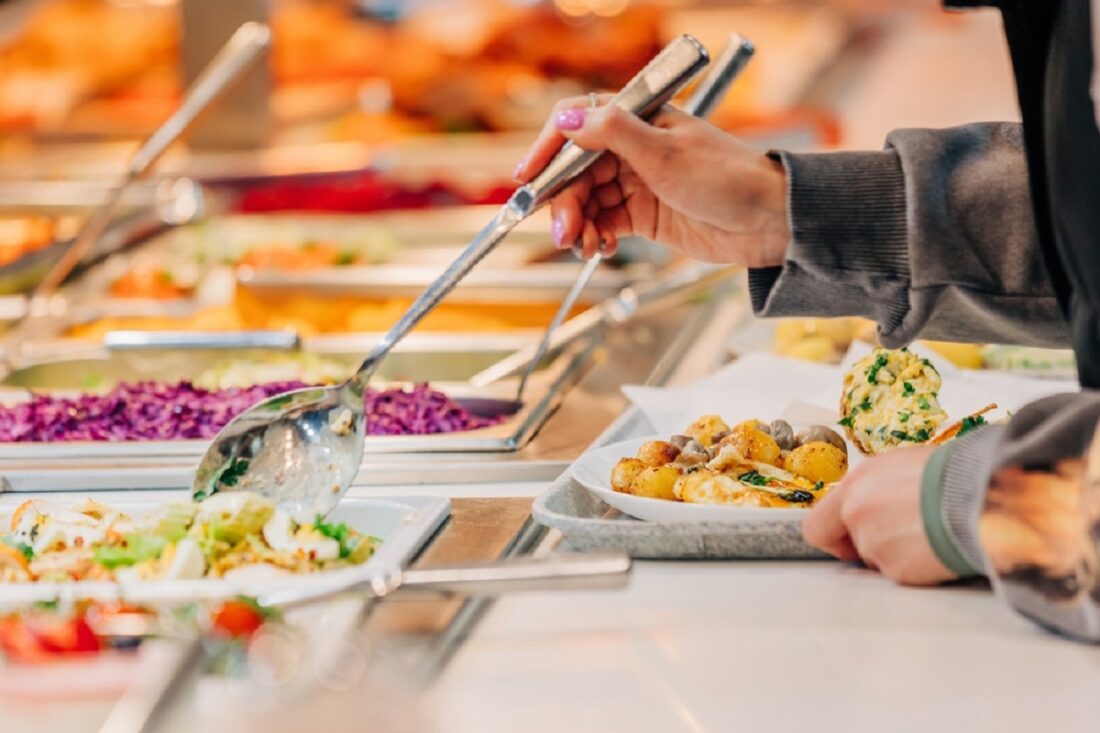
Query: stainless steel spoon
point(303, 449)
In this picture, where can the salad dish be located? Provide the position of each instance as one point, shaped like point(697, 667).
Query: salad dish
point(47, 542)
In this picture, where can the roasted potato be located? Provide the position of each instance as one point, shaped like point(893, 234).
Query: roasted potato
point(817, 461)
point(706, 428)
point(657, 453)
point(624, 473)
point(656, 483)
point(753, 443)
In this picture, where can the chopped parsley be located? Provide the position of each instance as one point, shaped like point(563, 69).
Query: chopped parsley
point(929, 365)
point(907, 389)
point(918, 436)
point(923, 403)
point(969, 423)
point(874, 369)
point(233, 473)
point(798, 496)
point(819, 485)
point(753, 478)
point(846, 421)
point(338, 532)
point(866, 405)
point(903, 416)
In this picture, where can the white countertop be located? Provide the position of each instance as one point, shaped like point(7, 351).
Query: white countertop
point(765, 646)
point(755, 646)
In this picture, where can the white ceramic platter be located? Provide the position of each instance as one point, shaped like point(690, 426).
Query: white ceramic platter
point(593, 472)
point(403, 524)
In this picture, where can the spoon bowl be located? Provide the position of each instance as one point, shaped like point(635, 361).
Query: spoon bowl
point(301, 449)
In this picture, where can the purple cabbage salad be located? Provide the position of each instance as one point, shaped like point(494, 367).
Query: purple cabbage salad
point(158, 411)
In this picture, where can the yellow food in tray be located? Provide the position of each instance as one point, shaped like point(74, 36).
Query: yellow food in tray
point(751, 464)
point(891, 397)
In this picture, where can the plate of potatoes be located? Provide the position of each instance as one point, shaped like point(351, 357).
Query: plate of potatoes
point(752, 471)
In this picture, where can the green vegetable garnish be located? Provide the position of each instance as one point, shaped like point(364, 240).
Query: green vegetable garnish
point(903, 416)
point(923, 403)
point(969, 423)
point(929, 365)
point(753, 478)
point(338, 532)
point(27, 550)
point(922, 435)
point(865, 405)
point(846, 421)
point(232, 473)
point(874, 369)
point(138, 548)
point(900, 434)
point(907, 389)
point(819, 485)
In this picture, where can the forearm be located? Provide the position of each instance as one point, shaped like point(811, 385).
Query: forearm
point(1016, 503)
point(932, 237)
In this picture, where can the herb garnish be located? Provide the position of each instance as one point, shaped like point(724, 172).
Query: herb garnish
point(923, 403)
point(846, 421)
point(338, 532)
point(753, 478)
point(907, 389)
point(874, 369)
point(969, 423)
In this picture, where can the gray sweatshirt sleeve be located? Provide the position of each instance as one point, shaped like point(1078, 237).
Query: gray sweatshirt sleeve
point(932, 237)
point(1021, 503)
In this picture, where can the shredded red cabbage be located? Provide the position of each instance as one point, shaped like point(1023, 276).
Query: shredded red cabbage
point(156, 411)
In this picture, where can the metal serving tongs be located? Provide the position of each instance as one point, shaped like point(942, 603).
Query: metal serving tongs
point(234, 58)
point(303, 449)
point(734, 57)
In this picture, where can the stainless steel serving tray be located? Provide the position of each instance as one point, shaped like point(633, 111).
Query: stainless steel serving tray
point(545, 391)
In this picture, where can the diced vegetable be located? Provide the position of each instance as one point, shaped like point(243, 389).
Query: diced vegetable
point(230, 517)
point(138, 548)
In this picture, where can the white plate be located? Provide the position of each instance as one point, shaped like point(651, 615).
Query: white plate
point(593, 472)
point(404, 525)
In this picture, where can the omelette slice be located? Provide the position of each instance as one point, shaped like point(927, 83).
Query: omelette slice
point(891, 399)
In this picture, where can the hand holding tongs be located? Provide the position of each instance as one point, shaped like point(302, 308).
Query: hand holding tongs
point(734, 57)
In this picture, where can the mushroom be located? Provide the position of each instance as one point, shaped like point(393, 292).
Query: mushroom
point(823, 434)
point(680, 440)
point(783, 434)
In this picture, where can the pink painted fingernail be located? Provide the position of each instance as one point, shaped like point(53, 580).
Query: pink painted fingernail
point(570, 119)
point(518, 170)
point(557, 231)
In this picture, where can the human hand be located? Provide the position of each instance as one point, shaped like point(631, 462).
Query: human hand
point(677, 180)
point(874, 515)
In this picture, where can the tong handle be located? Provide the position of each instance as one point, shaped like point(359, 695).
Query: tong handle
point(643, 95)
point(654, 85)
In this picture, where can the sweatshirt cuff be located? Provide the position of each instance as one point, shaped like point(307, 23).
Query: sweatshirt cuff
point(849, 253)
point(952, 496)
